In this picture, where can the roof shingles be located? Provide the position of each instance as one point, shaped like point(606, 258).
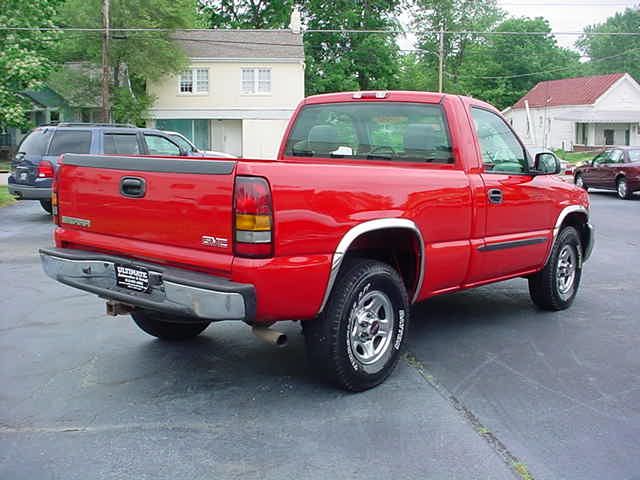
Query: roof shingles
point(569, 91)
point(246, 44)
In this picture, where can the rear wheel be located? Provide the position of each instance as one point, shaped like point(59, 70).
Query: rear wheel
point(165, 326)
point(555, 286)
point(46, 205)
point(623, 190)
point(357, 341)
point(579, 181)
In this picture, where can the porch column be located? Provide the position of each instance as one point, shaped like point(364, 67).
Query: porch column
point(591, 134)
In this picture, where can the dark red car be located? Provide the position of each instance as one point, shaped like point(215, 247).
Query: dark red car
point(614, 169)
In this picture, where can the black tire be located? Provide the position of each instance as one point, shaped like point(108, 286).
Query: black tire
point(546, 288)
point(165, 327)
point(46, 205)
point(579, 181)
point(623, 190)
point(340, 357)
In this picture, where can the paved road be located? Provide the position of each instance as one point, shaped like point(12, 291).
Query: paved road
point(488, 381)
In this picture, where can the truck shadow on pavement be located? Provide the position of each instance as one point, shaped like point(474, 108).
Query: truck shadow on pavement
point(226, 357)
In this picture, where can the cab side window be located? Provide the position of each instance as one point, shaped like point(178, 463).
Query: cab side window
point(158, 145)
point(616, 156)
point(121, 143)
point(602, 158)
point(501, 150)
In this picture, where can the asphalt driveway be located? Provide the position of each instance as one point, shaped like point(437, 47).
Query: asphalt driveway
point(491, 388)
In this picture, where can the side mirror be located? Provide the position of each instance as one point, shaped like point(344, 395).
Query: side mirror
point(546, 164)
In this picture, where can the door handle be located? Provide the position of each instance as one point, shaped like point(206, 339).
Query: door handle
point(495, 195)
point(133, 187)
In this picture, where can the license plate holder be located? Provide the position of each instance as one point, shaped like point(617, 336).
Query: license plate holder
point(132, 277)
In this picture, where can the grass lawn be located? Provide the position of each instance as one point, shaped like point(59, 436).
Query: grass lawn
point(5, 166)
point(5, 198)
point(575, 157)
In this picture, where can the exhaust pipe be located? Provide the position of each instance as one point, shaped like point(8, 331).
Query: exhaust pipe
point(273, 337)
point(117, 308)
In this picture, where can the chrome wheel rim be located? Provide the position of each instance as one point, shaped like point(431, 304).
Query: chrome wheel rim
point(371, 329)
point(566, 271)
point(579, 181)
point(622, 188)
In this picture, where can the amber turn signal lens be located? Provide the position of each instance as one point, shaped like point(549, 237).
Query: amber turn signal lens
point(254, 223)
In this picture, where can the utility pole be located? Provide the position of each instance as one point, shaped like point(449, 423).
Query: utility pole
point(105, 61)
point(441, 60)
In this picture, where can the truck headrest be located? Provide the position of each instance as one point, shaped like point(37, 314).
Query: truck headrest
point(420, 136)
point(323, 139)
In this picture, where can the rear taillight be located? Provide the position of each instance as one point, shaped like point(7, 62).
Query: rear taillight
point(54, 194)
point(253, 218)
point(45, 169)
point(54, 206)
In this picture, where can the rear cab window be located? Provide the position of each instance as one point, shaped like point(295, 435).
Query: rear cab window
point(70, 141)
point(396, 131)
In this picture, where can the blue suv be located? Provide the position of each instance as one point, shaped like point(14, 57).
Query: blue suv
point(34, 165)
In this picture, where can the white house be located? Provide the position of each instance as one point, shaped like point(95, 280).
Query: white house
point(583, 113)
point(238, 93)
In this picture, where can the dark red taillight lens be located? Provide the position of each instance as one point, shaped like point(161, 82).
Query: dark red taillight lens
point(45, 169)
point(253, 218)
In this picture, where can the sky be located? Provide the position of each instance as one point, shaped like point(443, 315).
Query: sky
point(563, 15)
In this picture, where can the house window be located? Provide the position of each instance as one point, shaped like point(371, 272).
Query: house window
point(255, 80)
point(195, 80)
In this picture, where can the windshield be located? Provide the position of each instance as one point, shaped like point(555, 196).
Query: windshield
point(35, 143)
point(634, 155)
point(373, 131)
point(183, 142)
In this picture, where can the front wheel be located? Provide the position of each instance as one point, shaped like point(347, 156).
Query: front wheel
point(357, 341)
point(555, 286)
point(46, 206)
point(165, 327)
point(623, 190)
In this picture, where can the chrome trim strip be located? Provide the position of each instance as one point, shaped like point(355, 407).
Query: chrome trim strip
point(150, 164)
point(362, 228)
point(512, 244)
point(98, 277)
point(556, 230)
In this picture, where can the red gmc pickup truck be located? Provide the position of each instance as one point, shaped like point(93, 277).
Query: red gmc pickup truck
point(377, 200)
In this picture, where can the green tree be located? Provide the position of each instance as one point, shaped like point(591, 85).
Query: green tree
point(505, 67)
point(412, 74)
point(350, 61)
point(134, 56)
point(252, 14)
point(26, 57)
point(625, 50)
point(454, 16)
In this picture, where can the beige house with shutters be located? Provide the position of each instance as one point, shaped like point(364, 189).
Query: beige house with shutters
point(238, 93)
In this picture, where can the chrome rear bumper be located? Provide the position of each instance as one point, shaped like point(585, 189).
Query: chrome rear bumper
point(171, 290)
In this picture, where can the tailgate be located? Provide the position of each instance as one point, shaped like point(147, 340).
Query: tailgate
point(149, 202)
